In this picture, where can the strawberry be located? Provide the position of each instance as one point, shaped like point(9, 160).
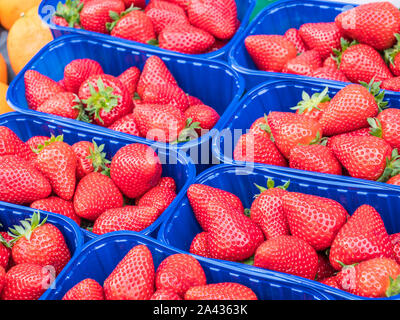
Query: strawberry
point(185, 38)
point(165, 94)
point(392, 84)
point(126, 124)
point(2, 278)
point(133, 277)
point(135, 3)
point(330, 62)
point(11, 144)
point(57, 161)
point(287, 254)
point(38, 88)
point(321, 36)
point(395, 240)
point(35, 141)
point(129, 218)
point(394, 180)
point(5, 253)
point(374, 278)
point(135, 169)
point(313, 106)
point(199, 245)
point(87, 289)
point(325, 270)
point(57, 205)
point(290, 129)
point(130, 77)
point(267, 212)
point(374, 24)
point(96, 14)
point(260, 126)
point(60, 21)
point(314, 219)
point(105, 99)
point(294, 37)
point(220, 291)
point(392, 57)
point(68, 14)
point(77, 71)
point(193, 101)
point(330, 281)
point(21, 182)
point(330, 74)
point(167, 182)
point(182, 3)
point(179, 272)
point(25, 281)
point(218, 17)
point(96, 193)
point(253, 147)
point(364, 132)
point(387, 126)
point(40, 243)
point(362, 237)
point(90, 157)
point(304, 64)
point(158, 197)
point(206, 116)
point(270, 52)
point(163, 294)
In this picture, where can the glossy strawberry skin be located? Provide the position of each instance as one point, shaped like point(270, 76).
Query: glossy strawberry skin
point(392, 84)
point(205, 115)
point(87, 289)
point(199, 244)
point(63, 104)
point(130, 77)
point(304, 64)
point(167, 182)
point(165, 94)
point(84, 165)
point(220, 291)
point(163, 294)
point(11, 144)
point(330, 74)
point(35, 141)
point(126, 124)
point(158, 197)
point(325, 270)
point(5, 254)
point(77, 71)
point(294, 36)
point(169, 14)
point(390, 121)
point(135, 3)
point(394, 180)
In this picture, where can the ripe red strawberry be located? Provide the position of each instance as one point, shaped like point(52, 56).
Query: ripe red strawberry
point(206, 116)
point(304, 64)
point(5, 253)
point(199, 245)
point(165, 94)
point(21, 182)
point(218, 17)
point(270, 52)
point(129, 218)
point(364, 132)
point(288, 254)
point(57, 205)
point(363, 237)
point(325, 270)
point(154, 72)
point(330, 74)
point(158, 198)
point(395, 240)
point(392, 57)
point(2, 278)
point(57, 161)
point(374, 278)
point(330, 281)
point(11, 144)
point(394, 180)
point(25, 281)
point(87, 289)
point(40, 243)
point(293, 36)
point(126, 124)
point(185, 38)
point(135, 169)
point(290, 129)
point(316, 158)
point(259, 148)
point(135, 3)
point(96, 14)
point(94, 194)
point(167, 182)
point(182, 3)
point(267, 212)
point(220, 291)
point(130, 77)
point(193, 101)
point(314, 219)
point(330, 62)
point(77, 71)
point(163, 294)
point(38, 88)
point(387, 126)
point(374, 24)
point(35, 141)
point(392, 84)
point(105, 99)
point(313, 106)
point(133, 277)
point(179, 272)
point(260, 126)
point(365, 157)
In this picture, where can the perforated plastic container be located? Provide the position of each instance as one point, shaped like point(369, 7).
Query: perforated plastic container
point(277, 96)
point(11, 215)
point(277, 18)
point(241, 180)
point(175, 165)
point(214, 82)
point(100, 256)
point(48, 7)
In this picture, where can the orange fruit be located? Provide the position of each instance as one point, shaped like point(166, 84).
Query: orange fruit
point(11, 10)
point(25, 38)
point(4, 107)
point(3, 70)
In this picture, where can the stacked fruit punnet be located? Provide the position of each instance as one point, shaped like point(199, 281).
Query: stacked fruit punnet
point(178, 277)
point(32, 254)
point(46, 173)
point(300, 234)
point(360, 45)
point(147, 103)
point(192, 27)
point(354, 133)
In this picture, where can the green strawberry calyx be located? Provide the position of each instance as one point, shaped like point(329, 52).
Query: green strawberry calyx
point(376, 127)
point(310, 103)
point(98, 157)
point(391, 53)
point(48, 142)
point(27, 227)
point(392, 167)
point(153, 42)
point(337, 53)
point(267, 128)
point(394, 287)
point(70, 11)
point(117, 17)
point(375, 89)
point(4, 242)
point(249, 261)
point(271, 185)
point(102, 99)
point(189, 132)
point(82, 115)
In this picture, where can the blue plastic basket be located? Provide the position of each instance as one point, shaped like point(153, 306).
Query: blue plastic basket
point(11, 215)
point(241, 180)
point(175, 165)
point(218, 85)
point(244, 9)
point(278, 96)
point(277, 18)
point(100, 256)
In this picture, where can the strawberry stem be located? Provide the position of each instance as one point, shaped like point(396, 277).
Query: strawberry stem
point(189, 132)
point(116, 17)
point(374, 88)
point(337, 54)
point(392, 167)
point(28, 226)
point(98, 158)
point(310, 103)
point(48, 142)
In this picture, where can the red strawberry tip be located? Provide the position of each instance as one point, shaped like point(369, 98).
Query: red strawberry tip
point(28, 226)
point(310, 103)
point(116, 17)
point(70, 11)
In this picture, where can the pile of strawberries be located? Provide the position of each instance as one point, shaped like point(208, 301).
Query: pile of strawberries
point(355, 133)
point(127, 192)
point(300, 234)
point(147, 103)
point(192, 27)
point(32, 254)
point(362, 44)
point(178, 277)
